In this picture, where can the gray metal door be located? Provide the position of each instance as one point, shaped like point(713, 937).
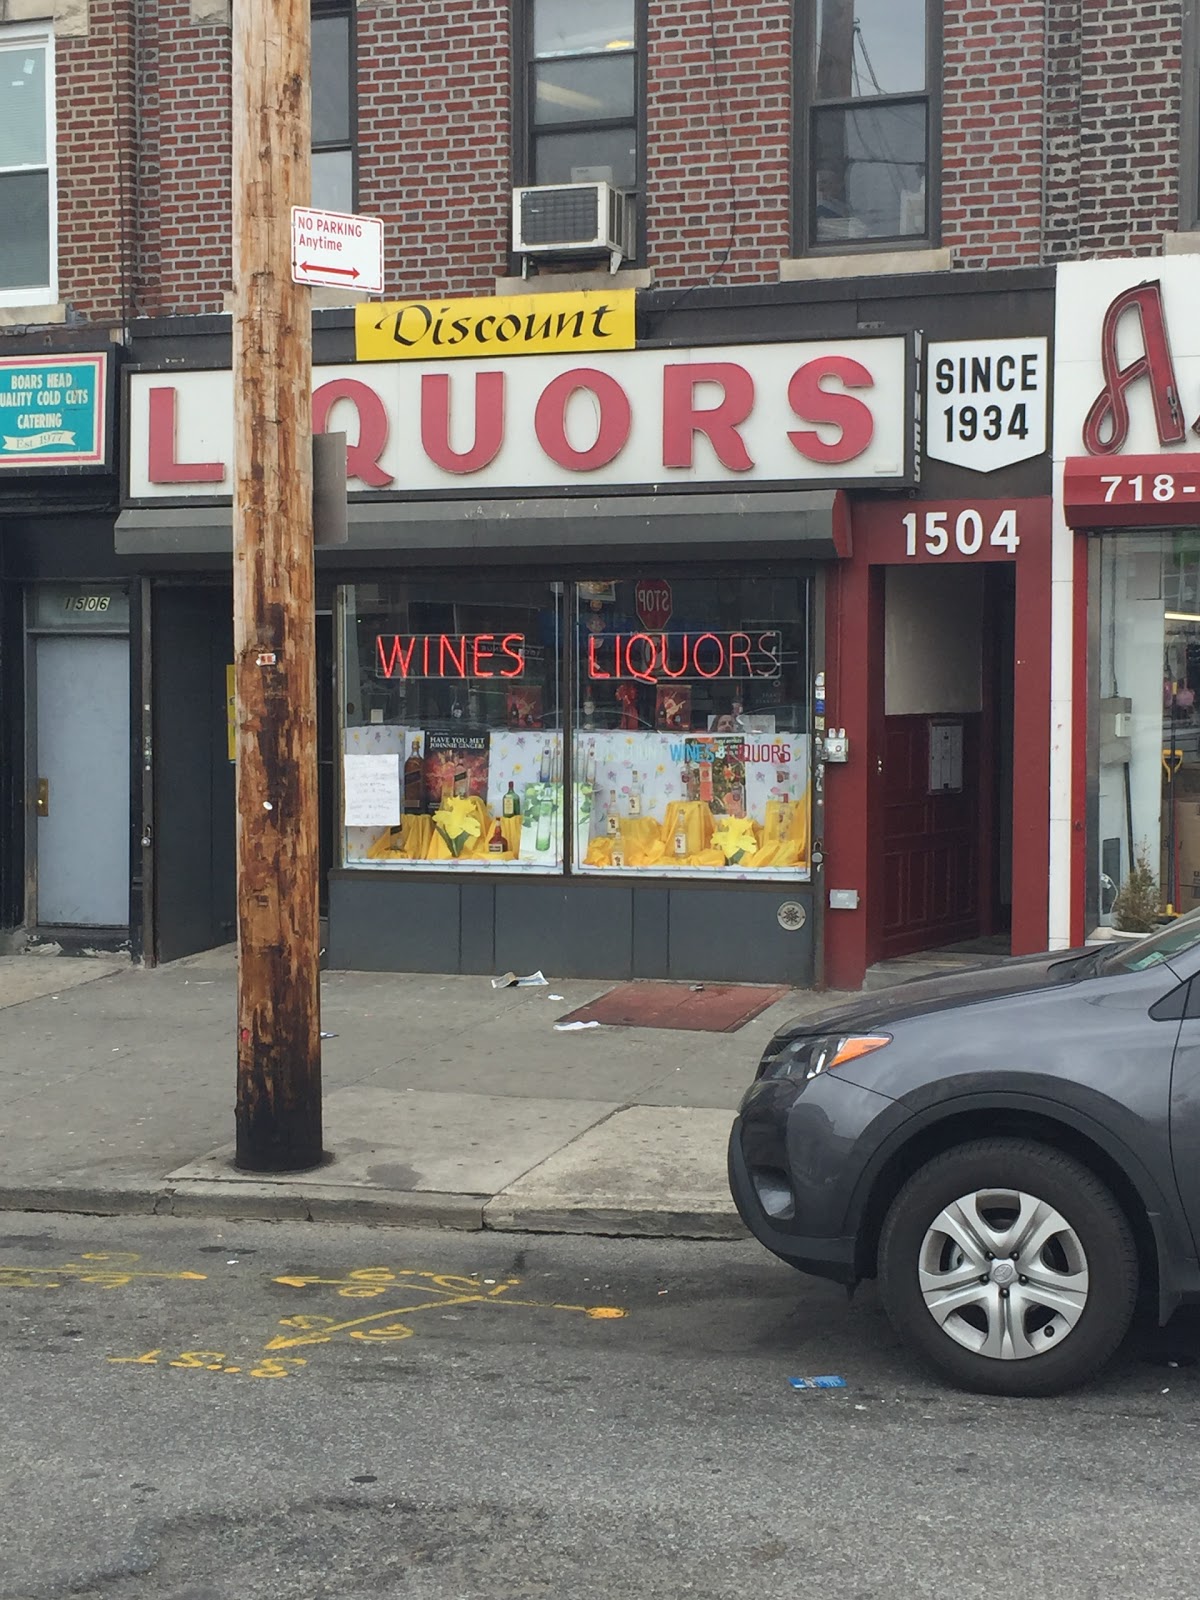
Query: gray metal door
point(83, 781)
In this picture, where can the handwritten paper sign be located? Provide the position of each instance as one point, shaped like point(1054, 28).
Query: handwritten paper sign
point(371, 791)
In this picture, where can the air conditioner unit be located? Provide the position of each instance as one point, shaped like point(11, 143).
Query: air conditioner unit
point(573, 219)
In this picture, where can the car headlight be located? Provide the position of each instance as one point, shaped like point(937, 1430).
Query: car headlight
point(809, 1055)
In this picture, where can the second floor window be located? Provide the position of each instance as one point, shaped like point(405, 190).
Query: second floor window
point(868, 137)
point(582, 91)
point(27, 199)
point(333, 187)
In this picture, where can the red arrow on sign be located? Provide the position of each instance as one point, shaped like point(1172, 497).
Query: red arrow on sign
point(343, 272)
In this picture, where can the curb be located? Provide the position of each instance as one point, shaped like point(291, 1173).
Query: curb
point(280, 1202)
point(642, 1222)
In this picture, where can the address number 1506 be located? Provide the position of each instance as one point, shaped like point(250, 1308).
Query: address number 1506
point(969, 532)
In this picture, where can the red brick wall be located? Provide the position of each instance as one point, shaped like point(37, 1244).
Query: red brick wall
point(1130, 119)
point(992, 131)
point(434, 102)
point(718, 140)
point(435, 142)
point(183, 193)
point(94, 108)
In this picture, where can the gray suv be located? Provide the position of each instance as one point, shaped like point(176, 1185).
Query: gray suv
point(1014, 1153)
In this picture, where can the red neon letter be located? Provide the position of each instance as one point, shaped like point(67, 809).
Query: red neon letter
point(736, 654)
point(813, 403)
point(550, 419)
point(458, 662)
point(516, 654)
point(162, 466)
point(720, 656)
point(481, 643)
point(398, 656)
point(435, 422)
point(1110, 405)
point(646, 675)
point(719, 423)
point(593, 665)
point(666, 663)
point(362, 454)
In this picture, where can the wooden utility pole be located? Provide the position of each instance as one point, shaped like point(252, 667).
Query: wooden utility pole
point(279, 1034)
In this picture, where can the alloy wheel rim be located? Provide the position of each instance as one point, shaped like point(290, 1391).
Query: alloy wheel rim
point(1003, 1274)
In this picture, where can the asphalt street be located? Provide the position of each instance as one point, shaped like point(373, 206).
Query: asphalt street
point(197, 1411)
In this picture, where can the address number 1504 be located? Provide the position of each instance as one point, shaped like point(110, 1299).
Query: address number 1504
point(969, 532)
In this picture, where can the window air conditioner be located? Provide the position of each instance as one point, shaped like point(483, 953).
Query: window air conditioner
point(573, 219)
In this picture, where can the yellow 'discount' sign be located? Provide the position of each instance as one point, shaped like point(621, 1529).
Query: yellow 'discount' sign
point(501, 325)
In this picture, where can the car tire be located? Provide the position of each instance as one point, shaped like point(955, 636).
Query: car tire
point(1036, 1320)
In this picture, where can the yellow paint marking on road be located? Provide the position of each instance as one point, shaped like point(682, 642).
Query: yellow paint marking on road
point(85, 1272)
point(445, 1289)
point(213, 1361)
point(325, 1334)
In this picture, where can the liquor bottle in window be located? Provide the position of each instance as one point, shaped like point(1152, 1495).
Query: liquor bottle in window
point(546, 809)
point(496, 845)
point(414, 782)
point(635, 795)
point(681, 846)
point(618, 853)
point(462, 782)
point(706, 780)
point(544, 768)
point(510, 806)
point(613, 823)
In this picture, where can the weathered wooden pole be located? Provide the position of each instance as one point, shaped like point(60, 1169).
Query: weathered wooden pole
point(279, 1034)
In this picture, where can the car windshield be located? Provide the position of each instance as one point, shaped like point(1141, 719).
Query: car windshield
point(1160, 945)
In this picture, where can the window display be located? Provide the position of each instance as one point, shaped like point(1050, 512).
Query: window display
point(688, 745)
point(452, 739)
point(690, 749)
point(1149, 725)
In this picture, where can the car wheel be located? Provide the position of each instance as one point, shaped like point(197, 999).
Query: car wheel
point(1010, 1266)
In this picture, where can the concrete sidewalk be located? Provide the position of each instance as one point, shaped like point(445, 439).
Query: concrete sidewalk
point(447, 1102)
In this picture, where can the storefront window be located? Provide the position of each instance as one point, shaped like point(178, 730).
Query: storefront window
point(452, 734)
point(1149, 719)
point(690, 744)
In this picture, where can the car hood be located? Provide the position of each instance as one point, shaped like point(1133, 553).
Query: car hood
point(879, 1007)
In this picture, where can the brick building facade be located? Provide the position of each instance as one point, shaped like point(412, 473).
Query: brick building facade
point(803, 173)
point(1053, 145)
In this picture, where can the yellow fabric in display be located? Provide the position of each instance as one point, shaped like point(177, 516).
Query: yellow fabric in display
point(781, 839)
point(408, 842)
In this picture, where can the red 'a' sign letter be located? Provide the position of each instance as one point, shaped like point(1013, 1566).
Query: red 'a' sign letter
point(1107, 425)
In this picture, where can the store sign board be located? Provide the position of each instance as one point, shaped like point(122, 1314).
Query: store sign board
point(53, 411)
point(986, 402)
point(1127, 357)
point(653, 602)
point(337, 249)
point(816, 414)
point(497, 325)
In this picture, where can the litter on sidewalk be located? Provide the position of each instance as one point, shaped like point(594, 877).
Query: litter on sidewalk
point(510, 980)
point(818, 1383)
point(573, 1027)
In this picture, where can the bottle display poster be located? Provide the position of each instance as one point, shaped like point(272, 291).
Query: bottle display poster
point(455, 764)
